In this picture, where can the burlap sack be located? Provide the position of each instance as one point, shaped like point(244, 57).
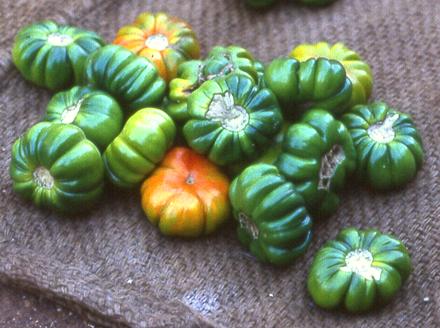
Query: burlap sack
point(117, 269)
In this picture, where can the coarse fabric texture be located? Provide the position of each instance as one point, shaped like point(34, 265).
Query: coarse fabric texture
point(115, 267)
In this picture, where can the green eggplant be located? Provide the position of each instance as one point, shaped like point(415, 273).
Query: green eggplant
point(132, 80)
point(95, 112)
point(181, 87)
point(55, 166)
point(260, 3)
point(358, 71)
point(268, 156)
point(388, 145)
point(359, 270)
point(273, 221)
point(318, 155)
point(314, 83)
point(141, 145)
point(220, 62)
point(260, 68)
point(232, 119)
point(53, 56)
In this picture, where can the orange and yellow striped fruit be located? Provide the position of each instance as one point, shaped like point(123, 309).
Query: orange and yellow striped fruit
point(186, 195)
point(166, 41)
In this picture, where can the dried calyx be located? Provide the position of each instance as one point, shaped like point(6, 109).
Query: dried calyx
point(228, 68)
point(225, 70)
point(43, 178)
point(157, 42)
point(383, 131)
point(247, 224)
point(329, 164)
point(59, 40)
point(69, 114)
point(360, 261)
point(222, 109)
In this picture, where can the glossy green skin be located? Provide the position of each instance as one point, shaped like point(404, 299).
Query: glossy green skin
point(180, 89)
point(305, 145)
point(358, 71)
point(142, 143)
point(332, 287)
point(280, 228)
point(260, 3)
point(384, 165)
point(315, 83)
point(73, 161)
point(231, 59)
point(259, 67)
point(133, 80)
point(52, 66)
point(269, 155)
point(225, 146)
point(220, 62)
point(99, 115)
point(317, 2)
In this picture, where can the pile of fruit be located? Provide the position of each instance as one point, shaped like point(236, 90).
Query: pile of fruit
point(146, 112)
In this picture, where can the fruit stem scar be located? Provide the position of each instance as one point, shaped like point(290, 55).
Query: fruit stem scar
point(59, 40)
point(247, 224)
point(360, 261)
point(190, 179)
point(222, 109)
point(329, 163)
point(157, 42)
point(43, 178)
point(69, 114)
point(383, 131)
point(225, 70)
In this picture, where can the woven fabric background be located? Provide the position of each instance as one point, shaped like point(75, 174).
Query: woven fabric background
point(115, 268)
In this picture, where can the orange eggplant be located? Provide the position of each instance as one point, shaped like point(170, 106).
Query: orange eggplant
point(166, 41)
point(187, 195)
